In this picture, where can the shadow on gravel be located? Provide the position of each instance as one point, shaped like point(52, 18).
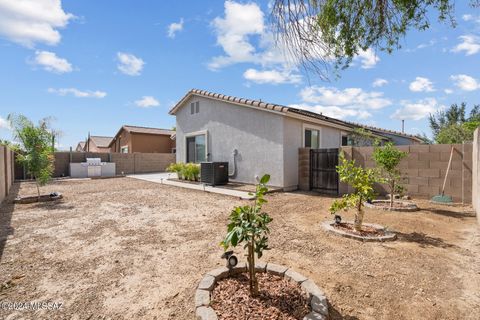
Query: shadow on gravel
point(451, 214)
point(53, 205)
point(424, 240)
point(6, 212)
point(337, 315)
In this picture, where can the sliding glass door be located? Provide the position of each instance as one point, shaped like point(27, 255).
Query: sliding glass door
point(197, 148)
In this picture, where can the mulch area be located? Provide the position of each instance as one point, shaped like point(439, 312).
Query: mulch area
point(367, 231)
point(278, 299)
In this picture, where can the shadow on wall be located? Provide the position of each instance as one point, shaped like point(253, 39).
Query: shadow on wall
point(6, 212)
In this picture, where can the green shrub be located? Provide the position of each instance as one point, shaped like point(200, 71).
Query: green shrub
point(249, 224)
point(185, 171)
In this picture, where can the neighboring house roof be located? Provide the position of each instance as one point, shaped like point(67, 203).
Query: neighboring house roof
point(137, 129)
point(145, 130)
point(81, 145)
point(294, 112)
point(101, 141)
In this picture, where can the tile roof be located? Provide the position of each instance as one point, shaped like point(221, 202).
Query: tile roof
point(137, 129)
point(287, 110)
point(101, 141)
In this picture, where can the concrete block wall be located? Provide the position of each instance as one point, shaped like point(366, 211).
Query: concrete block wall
point(475, 173)
point(423, 169)
point(6, 171)
point(126, 163)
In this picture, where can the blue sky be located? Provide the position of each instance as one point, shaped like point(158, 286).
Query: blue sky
point(96, 65)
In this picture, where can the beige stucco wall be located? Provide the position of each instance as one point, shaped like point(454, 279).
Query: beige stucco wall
point(151, 143)
point(122, 140)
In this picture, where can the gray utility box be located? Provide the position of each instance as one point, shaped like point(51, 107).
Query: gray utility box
point(214, 173)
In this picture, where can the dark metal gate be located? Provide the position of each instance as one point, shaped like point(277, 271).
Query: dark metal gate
point(323, 172)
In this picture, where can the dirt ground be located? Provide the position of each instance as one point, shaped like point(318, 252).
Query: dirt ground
point(130, 249)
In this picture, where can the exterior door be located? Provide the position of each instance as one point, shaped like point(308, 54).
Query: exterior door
point(323, 171)
point(191, 149)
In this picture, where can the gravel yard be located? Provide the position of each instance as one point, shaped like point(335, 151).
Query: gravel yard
point(130, 249)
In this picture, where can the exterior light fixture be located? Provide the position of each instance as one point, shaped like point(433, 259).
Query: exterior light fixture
point(232, 260)
point(338, 219)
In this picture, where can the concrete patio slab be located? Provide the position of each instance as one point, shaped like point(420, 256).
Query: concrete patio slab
point(164, 178)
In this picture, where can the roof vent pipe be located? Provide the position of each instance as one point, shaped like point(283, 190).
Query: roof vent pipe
point(234, 172)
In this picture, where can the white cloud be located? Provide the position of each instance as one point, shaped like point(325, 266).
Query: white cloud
point(448, 91)
point(28, 22)
point(271, 76)
point(416, 110)
point(424, 45)
point(469, 43)
point(175, 27)
point(4, 124)
point(147, 102)
point(78, 93)
point(233, 31)
point(51, 62)
point(340, 104)
point(465, 82)
point(421, 84)
point(368, 59)
point(334, 112)
point(349, 97)
point(467, 17)
point(379, 82)
point(129, 64)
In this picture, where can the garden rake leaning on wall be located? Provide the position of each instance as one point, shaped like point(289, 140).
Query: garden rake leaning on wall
point(442, 198)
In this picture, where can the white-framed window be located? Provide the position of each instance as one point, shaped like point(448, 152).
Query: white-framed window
point(196, 147)
point(195, 107)
point(312, 138)
point(124, 149)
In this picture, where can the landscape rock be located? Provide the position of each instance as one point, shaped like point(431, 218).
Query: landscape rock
point(207, 283)
point(295, 276)
point(276, 269)
point(202, 298)
point(314, 316)
point(205, 313)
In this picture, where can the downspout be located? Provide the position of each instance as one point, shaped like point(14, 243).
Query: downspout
point(233, 174)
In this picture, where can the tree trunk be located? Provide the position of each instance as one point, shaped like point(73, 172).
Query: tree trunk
point(251, 270)
point(38, 189)
point(357, 225)
point(392, 194)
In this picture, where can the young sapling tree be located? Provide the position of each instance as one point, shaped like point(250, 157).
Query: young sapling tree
point(248, 224)
point(36, 150)
point(387, 159)
point(362, 181)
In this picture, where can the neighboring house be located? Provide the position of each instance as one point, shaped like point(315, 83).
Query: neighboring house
point(265, 137)
point(130, 139)
point(97, 144)
point(80, 146)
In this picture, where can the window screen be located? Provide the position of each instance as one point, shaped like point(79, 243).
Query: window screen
point(312, 138)
point(192, 108)
point(197, 107)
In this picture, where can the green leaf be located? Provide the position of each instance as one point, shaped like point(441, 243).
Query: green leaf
point(265, 179)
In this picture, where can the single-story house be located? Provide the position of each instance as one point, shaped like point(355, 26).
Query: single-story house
point(80, 146)
point(256, 137)
point(130, 139)
point(97, 144)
